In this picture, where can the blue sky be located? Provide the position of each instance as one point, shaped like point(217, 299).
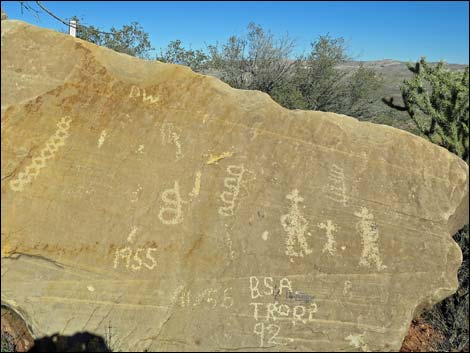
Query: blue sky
point(373, 30)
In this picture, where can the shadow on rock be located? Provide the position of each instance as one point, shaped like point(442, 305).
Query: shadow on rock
point(80, 342)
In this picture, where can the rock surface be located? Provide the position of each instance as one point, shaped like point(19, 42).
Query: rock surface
point(164, 210)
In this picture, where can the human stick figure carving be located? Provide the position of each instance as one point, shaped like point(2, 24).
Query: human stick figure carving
point(369, 232)
point(330, 245)
point(48, 152)
point(295, 226)
point(232, 188)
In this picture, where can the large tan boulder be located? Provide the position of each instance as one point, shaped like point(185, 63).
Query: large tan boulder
point(164, 210)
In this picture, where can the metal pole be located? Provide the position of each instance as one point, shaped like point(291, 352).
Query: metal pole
point(73, 28)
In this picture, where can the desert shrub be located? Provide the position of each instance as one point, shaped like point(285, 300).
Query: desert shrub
point(257, 61)
point(436, 100)
point(131, 39)
point(451, 316)
point(175, 53)
point(8, 343)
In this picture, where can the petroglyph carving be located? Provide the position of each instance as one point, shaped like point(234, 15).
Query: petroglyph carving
point(369, 232)
point(173, 208)
point(140, 149)
point(230, 245)
point(330, 245)
point(172, 211)
point(337, 185)
point(197, 185)
point(265, 235)
point(137, 92)
point(49, 150)
point(357, 341)
point(232, 188)
point(214, 159)
point(135, 194)
point(131, 236)
point(295, 226)
point(170, 135)
point(347, 288)
point(102, 138)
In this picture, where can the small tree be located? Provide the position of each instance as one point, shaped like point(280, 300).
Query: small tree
point(177, 54)
point(362, 91)
point(130, 39)
point(257, 61)
point(319, 80)
point(319, 83)
point(436, 99)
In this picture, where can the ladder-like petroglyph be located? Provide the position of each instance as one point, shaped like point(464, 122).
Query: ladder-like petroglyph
point(369, 232)
point(232, 184)
point(48, 152)
point(295, 225)
point(337, 185)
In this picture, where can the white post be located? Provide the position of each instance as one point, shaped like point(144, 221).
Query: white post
point(73, 28)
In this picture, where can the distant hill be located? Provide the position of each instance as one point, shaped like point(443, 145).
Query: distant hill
point(393, 73)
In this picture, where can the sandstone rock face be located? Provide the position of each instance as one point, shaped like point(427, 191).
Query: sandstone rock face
point(165, 210)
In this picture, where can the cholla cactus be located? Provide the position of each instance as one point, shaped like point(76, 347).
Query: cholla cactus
point(436, 99)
